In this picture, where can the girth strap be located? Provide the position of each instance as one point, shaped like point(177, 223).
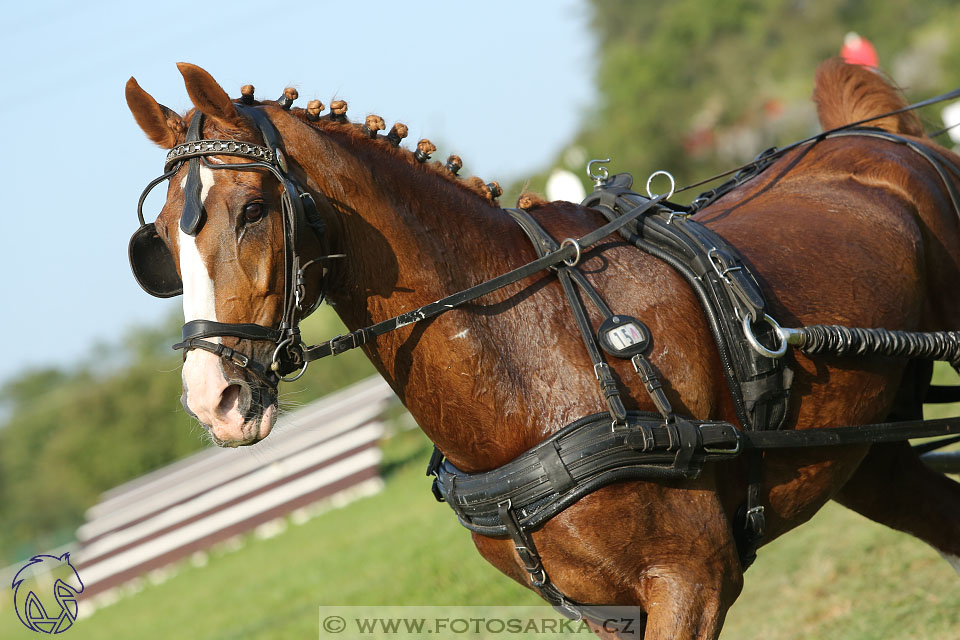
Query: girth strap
point(579, 459)
point(609, 618)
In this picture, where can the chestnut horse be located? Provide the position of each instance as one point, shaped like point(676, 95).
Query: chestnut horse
point(852, 230)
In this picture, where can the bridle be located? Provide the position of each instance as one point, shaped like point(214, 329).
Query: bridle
point(155, 270)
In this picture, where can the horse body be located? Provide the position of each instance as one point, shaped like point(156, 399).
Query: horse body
point(839, 232)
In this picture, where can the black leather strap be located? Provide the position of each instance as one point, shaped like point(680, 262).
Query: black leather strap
point(247, 331)
point(569, 275)
point(939, 394)
point(191, 218)
point(750, 523)
point(241, 360)
point(860, 434)
point(361, 336)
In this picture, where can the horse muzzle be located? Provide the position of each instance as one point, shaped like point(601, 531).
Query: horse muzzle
point(235, 411)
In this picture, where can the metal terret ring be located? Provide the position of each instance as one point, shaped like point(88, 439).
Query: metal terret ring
point(571, 262)
point(673, 184)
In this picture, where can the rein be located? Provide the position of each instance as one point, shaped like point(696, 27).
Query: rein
point(755, 166)
point(569, 253)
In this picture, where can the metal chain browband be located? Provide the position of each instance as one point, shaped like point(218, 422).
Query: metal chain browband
point(199, 148)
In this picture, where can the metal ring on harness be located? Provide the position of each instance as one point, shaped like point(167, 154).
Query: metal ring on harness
point(759, 348)
point(673, 184)
point(571, 262)
point(275, 362)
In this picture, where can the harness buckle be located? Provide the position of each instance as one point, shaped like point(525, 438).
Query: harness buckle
point(735, 450)
point(239, 359)
point(756, 520)
point(597, 367)
point(718, 264)
point(641, 438)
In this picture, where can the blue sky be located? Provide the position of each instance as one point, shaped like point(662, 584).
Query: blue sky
point(503, 84)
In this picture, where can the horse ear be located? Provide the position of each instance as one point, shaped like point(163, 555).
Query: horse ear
point(209, 97)
point(162, 125)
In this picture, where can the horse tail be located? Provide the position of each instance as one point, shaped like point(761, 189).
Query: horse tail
point(846, 93)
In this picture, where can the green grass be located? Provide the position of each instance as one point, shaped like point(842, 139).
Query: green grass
point(838, 577)
point(843, 577)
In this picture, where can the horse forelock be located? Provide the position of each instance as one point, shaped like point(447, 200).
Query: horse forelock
point(846, 93)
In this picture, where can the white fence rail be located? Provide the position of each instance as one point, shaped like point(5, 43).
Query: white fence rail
point(325, 449)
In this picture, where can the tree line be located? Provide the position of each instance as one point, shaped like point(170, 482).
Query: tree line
point(688, 86)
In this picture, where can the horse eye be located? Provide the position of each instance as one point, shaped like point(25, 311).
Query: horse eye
point(253, 212)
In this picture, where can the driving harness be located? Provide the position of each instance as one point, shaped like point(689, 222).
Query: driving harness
point(597, 450)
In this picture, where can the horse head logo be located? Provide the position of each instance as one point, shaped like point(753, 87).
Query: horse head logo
point(66, 587)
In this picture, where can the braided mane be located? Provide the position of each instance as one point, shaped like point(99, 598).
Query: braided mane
point(334, 122)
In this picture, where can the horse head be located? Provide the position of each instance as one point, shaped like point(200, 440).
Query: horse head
point(236, 243)
point(252, 187)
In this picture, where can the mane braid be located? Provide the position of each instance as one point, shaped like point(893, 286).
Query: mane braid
point(473, 185)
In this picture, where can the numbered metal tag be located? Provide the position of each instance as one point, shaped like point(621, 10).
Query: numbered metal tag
point(623, 336)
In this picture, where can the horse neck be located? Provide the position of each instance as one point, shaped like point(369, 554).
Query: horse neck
point(402, 224)
point(411, 236)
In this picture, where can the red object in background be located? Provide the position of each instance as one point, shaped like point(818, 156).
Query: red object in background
point(858, 50)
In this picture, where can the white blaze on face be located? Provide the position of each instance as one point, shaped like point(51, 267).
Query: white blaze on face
point(198, 294)
point(203, 379)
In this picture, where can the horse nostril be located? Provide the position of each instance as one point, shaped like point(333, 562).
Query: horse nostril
point(229, 399)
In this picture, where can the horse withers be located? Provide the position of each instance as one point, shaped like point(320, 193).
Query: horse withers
point(853, 231)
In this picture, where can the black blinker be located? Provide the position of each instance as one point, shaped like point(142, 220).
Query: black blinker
point(152, 263)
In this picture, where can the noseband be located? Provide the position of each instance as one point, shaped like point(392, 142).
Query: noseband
point(155, 269)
